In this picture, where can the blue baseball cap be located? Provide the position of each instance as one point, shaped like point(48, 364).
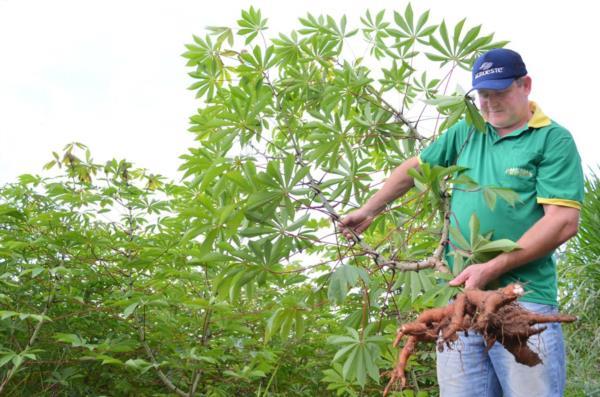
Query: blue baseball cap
point(497, 69)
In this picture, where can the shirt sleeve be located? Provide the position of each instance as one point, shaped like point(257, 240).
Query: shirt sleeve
point(442, 151)
point(560, 176)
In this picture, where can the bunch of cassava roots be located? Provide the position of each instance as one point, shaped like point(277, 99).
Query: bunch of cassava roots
point(494, 314)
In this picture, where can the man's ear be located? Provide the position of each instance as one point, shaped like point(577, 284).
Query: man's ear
point(527, 84)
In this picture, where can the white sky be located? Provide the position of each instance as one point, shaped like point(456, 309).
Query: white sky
point(109, 73)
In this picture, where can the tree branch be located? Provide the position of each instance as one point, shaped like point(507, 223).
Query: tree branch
point(165, 380)
point(397, 114)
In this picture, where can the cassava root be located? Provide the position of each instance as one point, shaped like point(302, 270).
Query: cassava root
point(494, 314)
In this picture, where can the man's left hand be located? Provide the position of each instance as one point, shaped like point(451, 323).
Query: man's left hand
point(474, 276)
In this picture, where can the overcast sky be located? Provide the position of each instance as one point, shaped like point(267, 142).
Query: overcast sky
point(109, 73)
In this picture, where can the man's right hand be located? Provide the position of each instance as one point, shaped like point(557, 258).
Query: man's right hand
point(356, 221)
point(396, 185)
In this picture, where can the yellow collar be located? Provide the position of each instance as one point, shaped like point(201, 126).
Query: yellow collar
point(539, 119)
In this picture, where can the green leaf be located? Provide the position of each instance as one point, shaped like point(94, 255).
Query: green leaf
point(338, 339)
point(130, 309)
point(474, 229)
point(108, 360)
point(286, 324)
point(458, 238)
point(508, 195)
point(344, 350)
point(490, 198)
point(349, 368)
point(361, 357)
point(415, 286)
point(473, 117)
point(74, 340)
point(444, 33)
point(273, 324)
point(17, 360)
point(444, 297)
point(344, 278)
point(372, 369)
point(457, 32)
point(6, 357)
point(213, 257)
point(502, 245)
point(300, 325)
point(459, 264)
point(6, 210)
point(139, 364)
point(259, 199)
point(256, 231)
point(425, 281)
point(4, 314)
point(445, 101)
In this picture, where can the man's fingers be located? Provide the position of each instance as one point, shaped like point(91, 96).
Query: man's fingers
point(458, 280)
point(354, 224)
point(363, 225)
point(346, 231)
point(349, 225)
point(470, 284)
point(360, 227)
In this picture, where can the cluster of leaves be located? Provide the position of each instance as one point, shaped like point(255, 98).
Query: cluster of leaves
point(233, 282)
point(579, 275)
point(104, 290)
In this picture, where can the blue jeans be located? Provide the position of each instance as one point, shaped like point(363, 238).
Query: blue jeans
point(468, 370)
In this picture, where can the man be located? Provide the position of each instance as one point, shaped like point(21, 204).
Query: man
point(527, 152)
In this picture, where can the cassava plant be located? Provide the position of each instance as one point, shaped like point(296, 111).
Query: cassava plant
point(235, 281)
point(297, 130)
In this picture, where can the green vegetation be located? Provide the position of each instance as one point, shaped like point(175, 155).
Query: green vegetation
point(580, 286)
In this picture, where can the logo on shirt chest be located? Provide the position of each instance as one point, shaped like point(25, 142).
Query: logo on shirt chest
point(516, 171)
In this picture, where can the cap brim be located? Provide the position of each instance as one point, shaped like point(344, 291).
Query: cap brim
point(498, 85)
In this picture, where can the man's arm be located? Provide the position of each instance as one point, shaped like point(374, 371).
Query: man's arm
point(395, 186)
point(556, 226)
point(398, 183)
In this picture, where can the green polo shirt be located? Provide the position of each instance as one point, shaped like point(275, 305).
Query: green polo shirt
point(540, 162)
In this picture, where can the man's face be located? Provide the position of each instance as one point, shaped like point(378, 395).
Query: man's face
point(508, 109)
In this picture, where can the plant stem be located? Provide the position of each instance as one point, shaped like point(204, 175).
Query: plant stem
point(32, 339)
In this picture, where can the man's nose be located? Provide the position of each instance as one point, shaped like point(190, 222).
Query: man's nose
point(493, 100)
